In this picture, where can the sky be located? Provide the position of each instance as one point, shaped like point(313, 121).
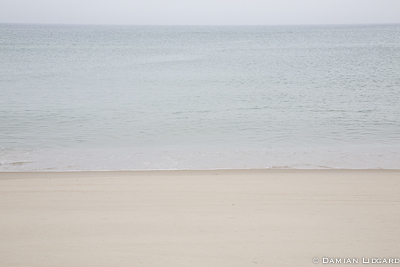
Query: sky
point(200, 12)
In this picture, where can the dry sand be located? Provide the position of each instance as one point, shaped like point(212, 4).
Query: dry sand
point(198, 218)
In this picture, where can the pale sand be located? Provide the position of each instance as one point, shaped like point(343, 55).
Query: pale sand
point(198, 218)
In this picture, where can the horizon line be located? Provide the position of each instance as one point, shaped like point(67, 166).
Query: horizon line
point(198, 25)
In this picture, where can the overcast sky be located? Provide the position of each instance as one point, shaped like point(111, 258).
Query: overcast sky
point(200, 12)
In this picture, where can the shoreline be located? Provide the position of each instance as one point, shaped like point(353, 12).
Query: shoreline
point(176, 158)
point(135, 173)
point(268, 217)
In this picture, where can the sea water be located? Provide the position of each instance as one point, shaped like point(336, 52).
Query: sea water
point(194, 97)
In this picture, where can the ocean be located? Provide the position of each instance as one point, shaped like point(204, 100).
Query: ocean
point(85, 97)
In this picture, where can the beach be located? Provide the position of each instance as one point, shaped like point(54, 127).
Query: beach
point(281, 217)
point(208, 146)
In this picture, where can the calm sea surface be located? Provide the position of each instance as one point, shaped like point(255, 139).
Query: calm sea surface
point(175, 97)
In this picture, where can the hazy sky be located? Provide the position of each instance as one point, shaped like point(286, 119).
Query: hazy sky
point(203, 12)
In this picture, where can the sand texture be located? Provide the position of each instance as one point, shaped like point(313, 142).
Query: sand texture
point(234, 218)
